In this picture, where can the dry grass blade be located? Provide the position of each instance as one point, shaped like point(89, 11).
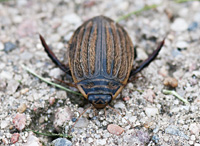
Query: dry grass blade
point(172, 92)
point(48, 82)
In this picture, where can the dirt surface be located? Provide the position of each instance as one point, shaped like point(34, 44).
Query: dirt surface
point(155, 118)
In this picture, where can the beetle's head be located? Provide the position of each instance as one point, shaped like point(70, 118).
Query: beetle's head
point(99, 101)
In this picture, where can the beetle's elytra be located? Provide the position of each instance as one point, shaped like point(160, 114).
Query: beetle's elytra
point(101, 57)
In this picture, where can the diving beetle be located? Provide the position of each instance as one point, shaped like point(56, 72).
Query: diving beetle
point(101, 56)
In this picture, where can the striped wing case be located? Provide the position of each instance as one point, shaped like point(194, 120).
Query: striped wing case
point(100, 49)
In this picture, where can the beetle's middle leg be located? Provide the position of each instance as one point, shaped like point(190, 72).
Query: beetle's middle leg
point(54, 58)
point(147, 61)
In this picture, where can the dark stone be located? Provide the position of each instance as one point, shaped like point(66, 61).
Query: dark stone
point(8, 47)
point(193, 26)
point(62, 142)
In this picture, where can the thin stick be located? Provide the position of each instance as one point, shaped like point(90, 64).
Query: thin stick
point(120, 115)
point(172, 92)
point(48, 82)
point(79, 118)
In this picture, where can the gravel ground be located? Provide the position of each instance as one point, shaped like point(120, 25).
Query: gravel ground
point(155, 118)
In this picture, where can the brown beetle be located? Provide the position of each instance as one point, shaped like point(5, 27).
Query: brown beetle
point(101, 57)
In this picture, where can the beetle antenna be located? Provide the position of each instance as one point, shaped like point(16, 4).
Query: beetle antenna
point(120, 115)
point(79, 118)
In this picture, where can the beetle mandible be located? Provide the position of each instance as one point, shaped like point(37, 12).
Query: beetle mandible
point(101, 56)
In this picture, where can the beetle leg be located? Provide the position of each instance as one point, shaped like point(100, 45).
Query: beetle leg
point(53, 57)
point(79, 118)
point(147, 61)
point(67, 83)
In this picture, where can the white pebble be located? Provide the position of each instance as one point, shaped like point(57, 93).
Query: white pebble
point(151, 111)
point(192, 137)
point(72, 18)
point(182, 45)
point(90, 140)
point(101, 142)
point(179, 25)
point(55, 73)
point(123, 5)
point(4, 124)
point(6, 75)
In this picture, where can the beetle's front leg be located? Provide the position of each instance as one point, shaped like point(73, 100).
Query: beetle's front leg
point(54, 58)
point(147, 61)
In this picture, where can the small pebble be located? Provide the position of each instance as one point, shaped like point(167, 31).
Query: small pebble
point(27, 28)
point(19, 121)
point(155, 138)
point(26, 56)
point(8, 47)
point(127, 98)
point(115, 129)
point(182, 45)
point(62, 142)
point(173, 130)
point(191, 142)
point(171, 82)
point(192, 137)
point(123, 6)
point(23, 91)
point(120, 104)
point(156, 129)
point(101, 142)
point(14, 138)
point(32, 140)
point(141, 54)
point(61, 116)
point(194, 128)
point(52, 100)
point(179, 25)
point(17, 19)
point(55, 73)
point(90, 140)
point(4, 124)
point(54, 38)
point(22, 108)
point(12, 86)
point(193, 26)
point(143, 136)
point(163, 71)
point(72, 18)
point(151, 111)
point(166, 138)
point(197, 144)
point(149, 95)
point(82, 122)
point(176, 52)
point(74, 119)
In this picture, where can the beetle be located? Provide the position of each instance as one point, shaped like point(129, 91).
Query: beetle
point(101, 56)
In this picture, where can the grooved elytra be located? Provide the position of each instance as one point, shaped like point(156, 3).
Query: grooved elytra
point(102, 51)
point(101, 56)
